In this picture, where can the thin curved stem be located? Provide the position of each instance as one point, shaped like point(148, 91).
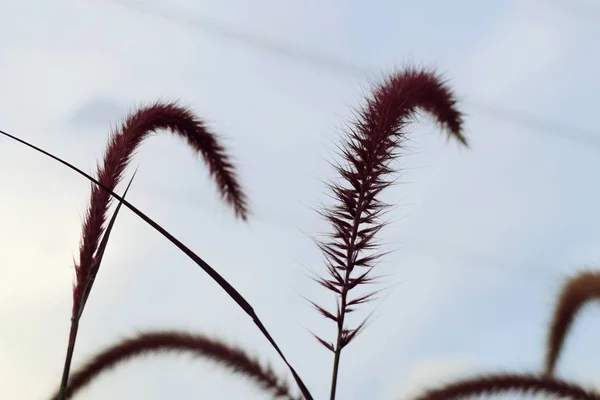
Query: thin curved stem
point(231, 291)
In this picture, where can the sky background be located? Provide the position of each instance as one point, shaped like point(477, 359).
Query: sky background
point(482, 238)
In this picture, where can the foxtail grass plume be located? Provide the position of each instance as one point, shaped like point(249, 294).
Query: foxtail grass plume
point(373, 142)
point(516, 383)
point(122, 146)
point(233, 358)
point(214, 275)
point(576, 293)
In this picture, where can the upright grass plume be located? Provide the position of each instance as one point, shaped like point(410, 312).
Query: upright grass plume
point(121, 147)
point(372, 143)
point(576, 293)
point(233, 358)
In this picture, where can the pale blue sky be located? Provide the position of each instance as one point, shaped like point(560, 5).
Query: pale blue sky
point(482, 238)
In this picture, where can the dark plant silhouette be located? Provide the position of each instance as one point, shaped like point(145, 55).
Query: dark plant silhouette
point(226, 286)
point(372, 144)
point(576, 292)
point(233, 358)
point(122, 145)
point(501, 383)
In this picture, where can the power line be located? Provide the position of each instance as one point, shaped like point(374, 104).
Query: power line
point(218, 28)
point(576, 134)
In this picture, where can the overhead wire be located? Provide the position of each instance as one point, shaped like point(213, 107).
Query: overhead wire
point(326, 62)
point(219, 28)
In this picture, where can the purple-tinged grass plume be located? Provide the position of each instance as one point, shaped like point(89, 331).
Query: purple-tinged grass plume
point(576, 293)
point(211, 272)
point(374, 141)
point(233, 358)
point(121, 147)
point(515, 383)
point(372, 144)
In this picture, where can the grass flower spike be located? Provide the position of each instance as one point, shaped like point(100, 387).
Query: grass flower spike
point(350, 250)
point(372, 143)
point(576, 293)
point(233, 358)
point(121, 148)
point(515, 383)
